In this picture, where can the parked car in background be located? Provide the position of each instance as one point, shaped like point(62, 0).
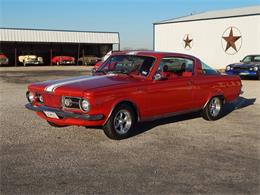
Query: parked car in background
point(249, 66)
point(30, 59)
point(89, 60)
point(3, 59)
point(59, 60)
point(134, 86)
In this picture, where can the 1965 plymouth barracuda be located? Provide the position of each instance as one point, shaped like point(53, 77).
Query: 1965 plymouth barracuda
point(249, 66)
point(134, 86)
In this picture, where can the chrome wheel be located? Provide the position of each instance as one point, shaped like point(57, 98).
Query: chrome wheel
point(122, 122)
point(215, 106)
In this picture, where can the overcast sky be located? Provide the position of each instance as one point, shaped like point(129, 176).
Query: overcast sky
point(133, 19)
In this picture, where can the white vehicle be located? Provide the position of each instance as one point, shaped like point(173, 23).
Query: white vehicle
point(30, 59)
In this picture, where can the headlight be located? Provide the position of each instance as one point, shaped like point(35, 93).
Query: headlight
point(228, 68)
point(84, 105)
point(255, 68)
point(30, 96)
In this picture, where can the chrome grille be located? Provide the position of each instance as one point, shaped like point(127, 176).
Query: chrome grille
point(75, 102)
point(240, 68)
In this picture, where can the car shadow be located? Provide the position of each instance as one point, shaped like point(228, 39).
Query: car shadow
point(248, 78)
point(239, 103)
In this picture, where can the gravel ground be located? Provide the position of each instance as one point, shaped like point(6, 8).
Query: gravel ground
point(177, 155)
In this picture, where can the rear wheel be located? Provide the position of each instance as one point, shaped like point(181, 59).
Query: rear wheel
point(121, 122)
point(58, 63)
point(213, 109)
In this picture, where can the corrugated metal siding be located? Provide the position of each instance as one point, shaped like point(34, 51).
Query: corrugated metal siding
point(24, 35)
point(253, 10)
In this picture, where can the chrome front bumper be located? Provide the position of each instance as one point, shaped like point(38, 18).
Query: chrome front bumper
point(64, 114)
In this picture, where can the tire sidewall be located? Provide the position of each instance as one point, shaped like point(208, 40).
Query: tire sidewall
point(109, 128)
point(206, 111)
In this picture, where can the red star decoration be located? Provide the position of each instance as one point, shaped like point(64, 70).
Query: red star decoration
point(187, 42)
point(231, 39)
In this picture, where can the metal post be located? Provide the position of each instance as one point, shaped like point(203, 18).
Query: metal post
point(78, 54)
point(15, 56)
point(51, 56)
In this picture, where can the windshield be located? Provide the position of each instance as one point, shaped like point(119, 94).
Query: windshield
point(126, 64)
point(248, 59)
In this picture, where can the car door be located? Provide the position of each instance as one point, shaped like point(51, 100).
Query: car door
point(174, 91)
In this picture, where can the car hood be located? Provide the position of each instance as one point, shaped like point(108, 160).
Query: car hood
point(248, 65)
point(2, 56)
point(76, 86)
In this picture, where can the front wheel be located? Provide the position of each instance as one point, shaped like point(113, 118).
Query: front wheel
point(121, 122)
point(213, 109)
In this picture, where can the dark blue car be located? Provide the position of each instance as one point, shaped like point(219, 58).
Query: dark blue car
point(249, 66)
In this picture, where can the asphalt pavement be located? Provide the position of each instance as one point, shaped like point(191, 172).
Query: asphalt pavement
point(177, 155)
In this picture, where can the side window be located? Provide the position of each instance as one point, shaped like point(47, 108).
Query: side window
point(176, 66)
point(257, 59)
point(207, 70)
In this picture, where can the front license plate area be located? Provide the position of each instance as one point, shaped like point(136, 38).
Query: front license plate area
point(51, 114)
point(243, 73)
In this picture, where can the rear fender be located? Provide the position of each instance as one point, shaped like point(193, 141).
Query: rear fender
point(214, 94)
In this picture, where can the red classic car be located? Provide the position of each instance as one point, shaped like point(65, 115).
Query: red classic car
point(63, 60)
point(130, 87)
point(3, 59)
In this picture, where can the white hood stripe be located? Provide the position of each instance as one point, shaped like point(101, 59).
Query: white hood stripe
point(51, 88)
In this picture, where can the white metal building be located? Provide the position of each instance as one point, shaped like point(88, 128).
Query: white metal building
point(58, 36)
point(216, 37)
point(48, 43)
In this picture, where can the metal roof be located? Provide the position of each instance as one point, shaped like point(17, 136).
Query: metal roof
point(58, 36)
point(229, 13)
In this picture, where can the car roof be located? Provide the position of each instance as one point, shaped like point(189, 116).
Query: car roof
point(253, 55)
point(151, 53)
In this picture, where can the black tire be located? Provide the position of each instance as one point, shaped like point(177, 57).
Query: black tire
point(58, 63)
point(116, 128)
point(56, 125)
point(213, 110)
